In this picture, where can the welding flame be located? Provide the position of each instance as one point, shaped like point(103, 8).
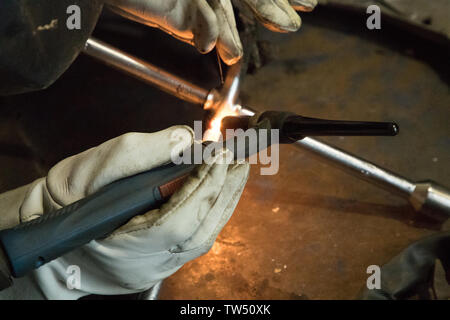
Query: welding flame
point(213, 132)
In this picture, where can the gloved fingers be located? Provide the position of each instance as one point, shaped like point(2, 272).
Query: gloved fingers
point(204, 237)
point(222, 210)
point(206, 23)
point(190, 21)
point(303, 5)
point(229, 44)
point(178, 219)
point(78, 176)
point(11, 203)
point(275, 15)
point(103, 271)
point(37, 201)
point(197, 207)
point(206, 29)
point(153, 246)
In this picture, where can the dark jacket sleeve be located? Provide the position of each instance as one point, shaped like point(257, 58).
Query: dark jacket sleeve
point(412, 274)
point(36, 46)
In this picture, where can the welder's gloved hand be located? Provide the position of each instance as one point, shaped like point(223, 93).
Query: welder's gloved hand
point(149, 247)
point(209, 23)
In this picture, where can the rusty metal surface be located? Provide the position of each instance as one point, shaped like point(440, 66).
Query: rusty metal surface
point(308, 232)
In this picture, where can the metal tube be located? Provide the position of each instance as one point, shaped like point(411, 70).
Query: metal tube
point(145, 71)
point(152, 293)
point(359, 167)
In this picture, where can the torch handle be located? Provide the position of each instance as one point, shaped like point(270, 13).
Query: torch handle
point(32, 244)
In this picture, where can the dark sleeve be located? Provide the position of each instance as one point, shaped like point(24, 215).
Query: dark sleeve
point(411, 274)
point(36, 46)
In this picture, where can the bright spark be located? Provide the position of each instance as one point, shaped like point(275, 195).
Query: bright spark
point(213, 133)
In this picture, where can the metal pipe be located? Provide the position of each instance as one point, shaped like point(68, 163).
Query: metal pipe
point(145, 71)
point(152, 293)
point(359, 167)
point(427, 197)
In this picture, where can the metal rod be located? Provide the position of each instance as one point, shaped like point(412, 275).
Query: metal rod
point(427, 197)
point(152, 293)
point(145, 71)
point(357, 166)
point(297, 127)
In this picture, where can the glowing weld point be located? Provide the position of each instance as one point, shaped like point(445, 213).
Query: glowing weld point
point(213, 133)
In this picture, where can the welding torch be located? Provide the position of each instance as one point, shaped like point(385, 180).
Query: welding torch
point(32, 244)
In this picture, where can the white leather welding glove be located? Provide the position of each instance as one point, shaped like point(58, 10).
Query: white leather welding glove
point(209, 23)
point(149, 247)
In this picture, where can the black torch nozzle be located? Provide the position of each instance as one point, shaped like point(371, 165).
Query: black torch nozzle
point(294, 127)
point(298, 126)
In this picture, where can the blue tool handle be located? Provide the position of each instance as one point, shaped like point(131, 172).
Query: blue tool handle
point(32, 244)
